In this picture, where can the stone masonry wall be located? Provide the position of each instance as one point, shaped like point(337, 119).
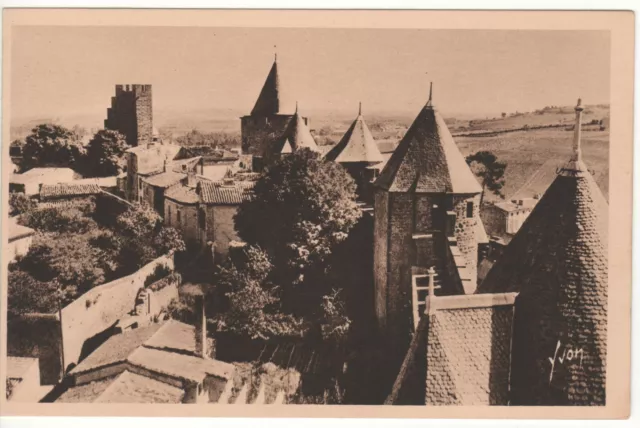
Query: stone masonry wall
point(399, 305)
point(380, 248)
point(260, 133)
point(131, 113)
point(465, 231)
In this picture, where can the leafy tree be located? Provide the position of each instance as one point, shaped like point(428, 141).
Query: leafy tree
point(253, 302)
point(69, 220)
point(26, 294)
point(105, 154)
point(301, 209)
point(51, 145)
point(70, 260)
point(15, 148)
point(141, 237)
point(19, 203)
point(486, 166)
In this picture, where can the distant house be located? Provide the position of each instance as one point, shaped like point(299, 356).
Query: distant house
point(29, 182)
point(147, 160)
point(23, 379)
point(503, 219)
point(20, 238)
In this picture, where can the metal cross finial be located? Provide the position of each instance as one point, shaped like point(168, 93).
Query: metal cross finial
point(296, 107)
point(360, 109)
point(275, 54)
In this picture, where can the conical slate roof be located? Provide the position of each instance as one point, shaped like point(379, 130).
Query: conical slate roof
point(427, 160)
point(558, 261)
point(273, 98)
point(297, 136)
point(356, 145)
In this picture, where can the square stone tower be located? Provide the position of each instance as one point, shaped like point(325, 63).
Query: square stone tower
point(131, 113)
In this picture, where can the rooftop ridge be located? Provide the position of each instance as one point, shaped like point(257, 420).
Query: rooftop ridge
point(470, 301)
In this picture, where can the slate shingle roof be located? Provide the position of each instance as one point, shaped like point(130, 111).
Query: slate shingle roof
point(296, 136)
point(216, 193)
point(461, 352)
point(63, 190)
point(356, 145)
point(427, 160)
point(273, 98)
point(558, 261)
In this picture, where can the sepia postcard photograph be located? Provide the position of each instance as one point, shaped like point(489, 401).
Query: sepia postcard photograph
point(316, 213)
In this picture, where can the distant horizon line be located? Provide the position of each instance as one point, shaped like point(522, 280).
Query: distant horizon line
point(237, 111)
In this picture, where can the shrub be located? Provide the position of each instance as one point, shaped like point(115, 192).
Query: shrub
point(19, 203)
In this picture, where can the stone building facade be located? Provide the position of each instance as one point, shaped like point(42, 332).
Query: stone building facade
point(426, 203)
point(131, 113)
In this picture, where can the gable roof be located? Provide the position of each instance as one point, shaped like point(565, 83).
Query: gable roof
point(460, 351)
point(296, 136)
point(272, 99)
point(356, 145)
point(427, 160)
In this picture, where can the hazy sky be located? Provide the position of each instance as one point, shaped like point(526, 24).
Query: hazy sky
point(58, 71)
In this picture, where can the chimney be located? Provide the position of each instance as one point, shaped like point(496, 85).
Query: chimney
point(191, 178)
point(166, 162)
point(201, 326)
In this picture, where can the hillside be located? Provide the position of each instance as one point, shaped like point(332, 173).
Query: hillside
point(532, 155)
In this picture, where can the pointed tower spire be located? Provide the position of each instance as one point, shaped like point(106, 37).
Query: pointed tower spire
point(430, 102)
point(575, 166)
point(577, 132)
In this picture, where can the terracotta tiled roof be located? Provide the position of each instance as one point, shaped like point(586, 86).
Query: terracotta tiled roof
point(182, 194)
point(427, 160)
point(356, 145)
point(133, 388)
point(558, 261)
point(62, 190)
point(272, 98)
point(296, 136)
point(220, 194)
point(165, 179)
point(461, 351)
